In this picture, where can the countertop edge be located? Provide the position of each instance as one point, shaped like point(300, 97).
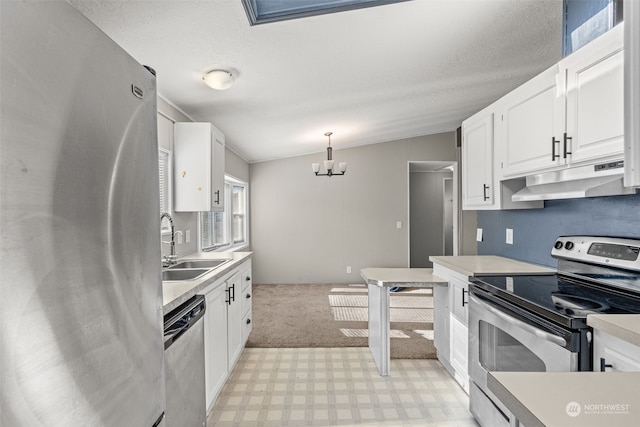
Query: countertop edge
point(617, 325)
point(513, 267)
point(521, 412)
point(404, 277)
point(524, 394)
point(193, 287)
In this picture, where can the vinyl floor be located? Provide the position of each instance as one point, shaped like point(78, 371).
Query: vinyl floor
point(337, 387)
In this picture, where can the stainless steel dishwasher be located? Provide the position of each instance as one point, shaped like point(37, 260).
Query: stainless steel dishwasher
point(184, 364)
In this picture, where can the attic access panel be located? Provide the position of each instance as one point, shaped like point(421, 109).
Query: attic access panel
point(265, 11)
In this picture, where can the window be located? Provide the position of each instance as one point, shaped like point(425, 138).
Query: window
point(264, 11)
point(226, 230)
point(164, 169)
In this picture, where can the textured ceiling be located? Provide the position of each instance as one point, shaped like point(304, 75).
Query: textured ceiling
point(369, 75)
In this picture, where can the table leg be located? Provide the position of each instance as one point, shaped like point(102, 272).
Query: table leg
point(379, 327)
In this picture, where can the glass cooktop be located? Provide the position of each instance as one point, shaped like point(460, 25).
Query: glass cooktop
point(560, 298)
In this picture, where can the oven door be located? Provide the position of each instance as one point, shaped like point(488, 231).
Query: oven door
point(502, 340)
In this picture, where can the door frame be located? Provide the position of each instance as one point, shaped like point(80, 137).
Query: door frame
point(435, 166)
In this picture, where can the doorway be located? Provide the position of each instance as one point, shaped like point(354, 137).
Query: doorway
point(433, 212)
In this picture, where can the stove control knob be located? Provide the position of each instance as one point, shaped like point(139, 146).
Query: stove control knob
point(558, 244)
point(568, 246)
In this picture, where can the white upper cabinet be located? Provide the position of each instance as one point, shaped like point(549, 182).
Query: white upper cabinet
point(477, 158)
point(198, 168)
point(532, 116)
point(482, 135)
point(594, 79)
point(571, 114)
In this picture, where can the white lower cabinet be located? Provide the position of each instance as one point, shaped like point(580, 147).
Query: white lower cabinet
point(247, 295)
point(215, 332)
point(611, 354)
point(224, 329)
point(452, 335)
point(459, 340)
point(235, 342)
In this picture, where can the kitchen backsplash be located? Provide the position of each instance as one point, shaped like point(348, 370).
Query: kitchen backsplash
point(535, 230)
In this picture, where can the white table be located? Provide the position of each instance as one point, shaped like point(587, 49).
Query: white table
point(379, 280)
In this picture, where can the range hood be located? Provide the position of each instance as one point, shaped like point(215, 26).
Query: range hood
point(605, 179)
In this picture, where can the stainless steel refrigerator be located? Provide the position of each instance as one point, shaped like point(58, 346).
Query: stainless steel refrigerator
point(81, 292)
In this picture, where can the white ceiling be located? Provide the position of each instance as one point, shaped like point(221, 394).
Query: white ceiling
point(369, 75)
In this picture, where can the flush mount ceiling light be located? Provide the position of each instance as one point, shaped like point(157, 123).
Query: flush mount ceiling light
point(219, 79)
point(328, 164)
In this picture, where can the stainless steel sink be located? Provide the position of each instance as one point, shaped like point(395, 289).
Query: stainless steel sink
point(184, 274)
point(199, 263)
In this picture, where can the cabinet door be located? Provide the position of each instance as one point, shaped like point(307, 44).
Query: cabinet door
point(215, 348)
point(459, 352)
point(198, 168)
point(459, 299)
point(441, 316)
point(614, 354)
point(217, 174)
point(595, 99)
point(477, 160)
point(534, 120)
point(234, 319)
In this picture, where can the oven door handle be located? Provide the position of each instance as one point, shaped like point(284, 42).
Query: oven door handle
point(522, 325)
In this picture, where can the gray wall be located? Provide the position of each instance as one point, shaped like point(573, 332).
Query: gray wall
point(308, 229)
point(182, 220)
point(234, 165)
point(535, 230)
point(426, 192)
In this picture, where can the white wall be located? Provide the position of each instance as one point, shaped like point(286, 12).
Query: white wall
point(308, 229)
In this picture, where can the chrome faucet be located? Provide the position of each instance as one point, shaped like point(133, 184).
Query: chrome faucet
point(169, 260)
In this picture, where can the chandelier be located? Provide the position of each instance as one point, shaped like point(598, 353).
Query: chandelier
point(328, 164)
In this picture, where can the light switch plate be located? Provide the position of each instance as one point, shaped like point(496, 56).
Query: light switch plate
point(479, 235)
point(187, 236)
point(509, 236)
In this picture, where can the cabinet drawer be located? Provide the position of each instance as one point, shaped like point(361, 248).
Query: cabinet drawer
point(247, 281)
point(247, 326)
point(247, 297)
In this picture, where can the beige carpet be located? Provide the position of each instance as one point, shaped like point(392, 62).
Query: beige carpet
point(286, 316)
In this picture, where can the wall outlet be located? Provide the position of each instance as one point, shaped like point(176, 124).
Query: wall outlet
point(178, 236)
point(348, 269)
point(509, 236)
point(187, 236)
point(398, 225)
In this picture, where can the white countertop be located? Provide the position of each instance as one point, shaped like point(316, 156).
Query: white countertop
point(549, 399)
point(175, 293)
point(405, 277)
point(623, 326)
point(488, 265)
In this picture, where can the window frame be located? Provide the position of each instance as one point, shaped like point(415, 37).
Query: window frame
point(228, 215)
point(165, 227)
